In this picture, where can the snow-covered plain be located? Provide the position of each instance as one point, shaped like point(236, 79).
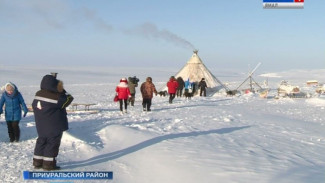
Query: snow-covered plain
point(214, 139)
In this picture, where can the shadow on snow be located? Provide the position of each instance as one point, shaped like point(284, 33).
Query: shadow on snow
point(117, 154)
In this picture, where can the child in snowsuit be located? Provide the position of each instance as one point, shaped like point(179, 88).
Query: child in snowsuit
point(123, 93)
point(14, 102)
point(50, 113)
point(188, 87)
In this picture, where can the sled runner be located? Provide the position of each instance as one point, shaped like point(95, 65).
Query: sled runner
point(74, 108)
point(86, 108)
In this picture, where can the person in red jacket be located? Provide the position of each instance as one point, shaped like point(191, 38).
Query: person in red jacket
point(172, 88)
point(123, 93)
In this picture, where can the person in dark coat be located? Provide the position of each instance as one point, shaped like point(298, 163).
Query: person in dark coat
point(50, 113)
point(181, 85)
point(172, 88)
point(203, 86)
point(147, 90)
point(14, 103)
point(133, 83)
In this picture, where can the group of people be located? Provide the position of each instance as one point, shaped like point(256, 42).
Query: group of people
point(176, 86)
point(125, 91)
point(49, 107)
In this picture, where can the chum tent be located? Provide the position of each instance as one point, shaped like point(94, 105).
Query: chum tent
point(195, 70)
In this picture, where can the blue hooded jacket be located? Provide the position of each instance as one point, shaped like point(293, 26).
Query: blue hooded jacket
point(188, 84)
point(14, 104)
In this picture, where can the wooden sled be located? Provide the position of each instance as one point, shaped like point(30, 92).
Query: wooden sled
point(86, 108)
point(74, 109)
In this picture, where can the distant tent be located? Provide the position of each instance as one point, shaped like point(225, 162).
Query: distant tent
point(195, 70)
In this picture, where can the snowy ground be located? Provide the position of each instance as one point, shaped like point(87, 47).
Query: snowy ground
point(214, 139)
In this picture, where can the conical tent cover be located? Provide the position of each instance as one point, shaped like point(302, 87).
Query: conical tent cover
point(195, 70)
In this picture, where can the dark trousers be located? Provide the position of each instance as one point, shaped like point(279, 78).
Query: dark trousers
point(146, 103)
point(179, 92)
point(171, 97)
point(132, 99)
point(48, 146)
point(125, 104)
point(13, 130)
point(204, 91)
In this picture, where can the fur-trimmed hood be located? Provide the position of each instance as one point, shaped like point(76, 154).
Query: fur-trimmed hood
point(13, 86)
point(49, 83)
point(123, 85)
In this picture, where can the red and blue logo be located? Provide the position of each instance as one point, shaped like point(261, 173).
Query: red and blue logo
point(283, 4)
point(283, 1)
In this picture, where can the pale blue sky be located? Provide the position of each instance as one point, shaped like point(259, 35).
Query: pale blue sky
point(230, 34)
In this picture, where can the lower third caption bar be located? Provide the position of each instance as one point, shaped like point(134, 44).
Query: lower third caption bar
point(67, 175)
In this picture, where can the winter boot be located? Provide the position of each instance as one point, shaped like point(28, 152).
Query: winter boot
point(37, 163)
point(144, 107)
point(50, 165)
point(17, 137)
point(11, 132)
point(16, 130)
point(11, 137)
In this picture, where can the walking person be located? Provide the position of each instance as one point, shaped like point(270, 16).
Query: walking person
point(50, 113)
point(147, 90)
point(14, 103)
point(188, 87)
point(203, 86)
point(123, 93)
point(181, 85)
point(172, 88)
point(133, 83)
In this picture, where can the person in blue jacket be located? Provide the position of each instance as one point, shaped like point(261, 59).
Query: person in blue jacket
point(51, 120)
point(188, 86)
point(14, 103)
